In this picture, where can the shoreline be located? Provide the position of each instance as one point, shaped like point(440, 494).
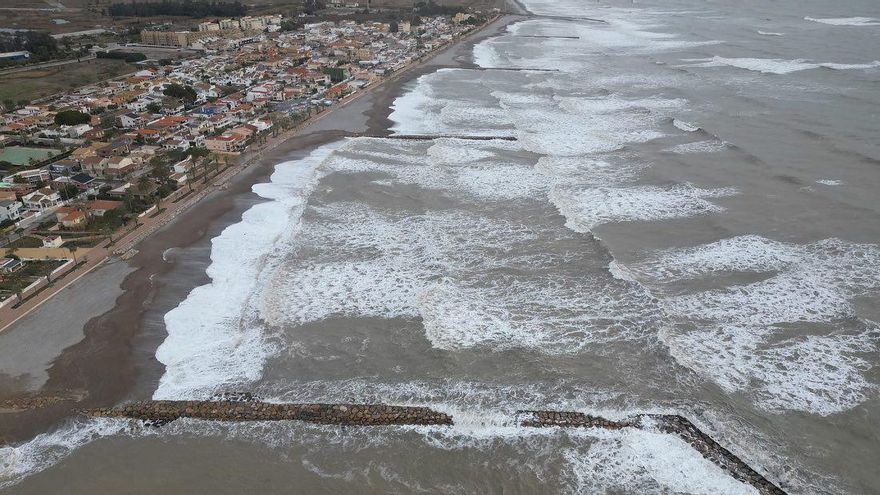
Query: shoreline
point(115, 360)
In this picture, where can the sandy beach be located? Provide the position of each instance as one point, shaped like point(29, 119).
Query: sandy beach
point(111, 358)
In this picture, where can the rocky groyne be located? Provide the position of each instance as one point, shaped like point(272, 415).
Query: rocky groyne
point(245, 407)
point(163, 411)
point(31, 402)
point(667, 423)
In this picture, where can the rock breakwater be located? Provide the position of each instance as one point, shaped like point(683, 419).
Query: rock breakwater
point(667, 423)
point(31, 402)
point(245, 407)
point(163, 411)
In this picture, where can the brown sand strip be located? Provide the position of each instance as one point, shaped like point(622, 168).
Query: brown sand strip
point(668, 423)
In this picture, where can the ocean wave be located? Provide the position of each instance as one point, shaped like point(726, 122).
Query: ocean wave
point(637, 461)
point(584, 208)
point(214, 337)
point(774, 65)
point(818, 374)
point(846, 21)
point(685, 126)
point(46, 449)
point(739, 343)
point(436, 266)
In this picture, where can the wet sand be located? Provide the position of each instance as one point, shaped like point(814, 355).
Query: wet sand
point(115, 360)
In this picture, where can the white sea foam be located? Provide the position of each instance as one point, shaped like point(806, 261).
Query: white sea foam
point(476, 169)
point(815, 282)
point(838, 66)
point(774, 65)
point(736, 344)
point(685, 126)
point(47, 449)
point(213, 335)
point(846, 21)
point(769, 33)
point(749, 253)
point(707, 146)
point(829, 182)
point(586, 170)
point(585, 208)
point(424, 110)
point(575, 126)
point(434, 266)
point(624, 29)
point(819, 374)
point(639, 461)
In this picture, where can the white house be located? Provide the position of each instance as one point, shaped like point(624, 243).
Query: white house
point(53, 241)
point(131, 121)
point(42, 199)
point(10, 210)
point(76, 131)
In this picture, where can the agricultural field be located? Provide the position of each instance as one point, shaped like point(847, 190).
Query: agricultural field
point(38, 83)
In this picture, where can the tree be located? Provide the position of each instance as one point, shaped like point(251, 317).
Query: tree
point(71, 117)
point(159, 168)
point(143, 183)
point(185, 93)
point(154, 107)
point(73, 249)
point(48, 269)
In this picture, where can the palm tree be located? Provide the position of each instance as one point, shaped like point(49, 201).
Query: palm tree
point(48, 269)
point(73, 248)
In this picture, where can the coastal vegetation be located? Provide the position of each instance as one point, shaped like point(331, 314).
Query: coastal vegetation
point(185, 8)
point(71, 117)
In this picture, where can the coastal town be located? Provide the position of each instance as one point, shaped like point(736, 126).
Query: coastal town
point(87, 172)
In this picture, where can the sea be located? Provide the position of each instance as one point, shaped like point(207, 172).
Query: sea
point(674, 209)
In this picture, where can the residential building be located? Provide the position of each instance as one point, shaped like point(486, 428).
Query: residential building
point(10, 209)
point(42, 199)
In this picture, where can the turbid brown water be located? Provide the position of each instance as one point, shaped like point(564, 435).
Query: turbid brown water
point(686, 223)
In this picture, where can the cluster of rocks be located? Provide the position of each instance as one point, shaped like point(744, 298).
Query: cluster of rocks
point(162, 411)
point(667, 423)
point(234, 397)
point(30, 402)
point(540, 419)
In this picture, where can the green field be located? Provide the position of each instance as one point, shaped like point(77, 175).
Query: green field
point(21, 155)
point(38, 83)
